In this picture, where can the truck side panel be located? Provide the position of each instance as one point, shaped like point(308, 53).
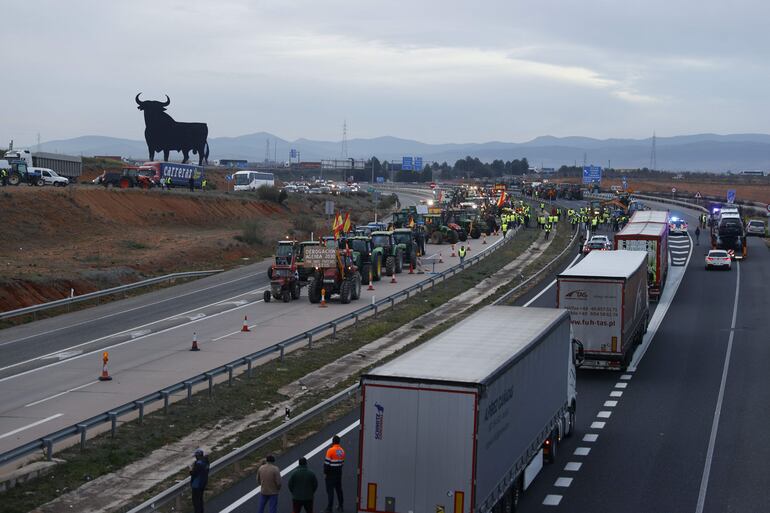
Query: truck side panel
point(517, 411)
point(417, 446)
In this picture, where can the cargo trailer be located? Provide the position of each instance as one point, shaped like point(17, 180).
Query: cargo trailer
point(464, 422)
point(653, 239)
point(649, 216)
point(606, 295)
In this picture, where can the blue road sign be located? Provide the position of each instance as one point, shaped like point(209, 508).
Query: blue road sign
point(406, 163)
point(380, 179)
point(592, 174)
point(418, 163)
point(731, 195)
point(229, 178)
point(293, 153)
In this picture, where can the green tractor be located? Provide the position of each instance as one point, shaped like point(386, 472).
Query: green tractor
point(366, 258)
point(392, 252)
point(405, 237)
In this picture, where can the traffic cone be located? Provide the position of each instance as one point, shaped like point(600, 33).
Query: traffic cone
point(453, 251)
point(469, 244)
point(245, 323)
point(105, 376)
point(485, 239)
point(411, 268)
point(323, 299)
point(371, 281)
point(195, 343)
point(393, 278)
point(440, 260)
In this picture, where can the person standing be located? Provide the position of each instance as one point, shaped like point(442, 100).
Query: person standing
point(547, 230)
point(199, 478)
point(269, 478)
point(191, 182)
point(461, 253)
point(302, 485)
point(335, 459)
point(697, 235)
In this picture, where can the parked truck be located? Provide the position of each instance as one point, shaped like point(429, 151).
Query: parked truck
point(464, 422)
point(606, 295)
point(179, 174)
point(652, 238)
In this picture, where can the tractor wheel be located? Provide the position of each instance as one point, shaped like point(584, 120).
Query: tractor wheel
point(14, 179)
point(475, 233)
point(365, 270)
point(266, 296)
point(453, 237)
point(286, 296)
point(314, 291)
point(413, 259)
point(399, 262)
point(436, 237)
point(270, 273)
point(346, 292)
point(355, 293)
point(295, 290)
point(390, 266)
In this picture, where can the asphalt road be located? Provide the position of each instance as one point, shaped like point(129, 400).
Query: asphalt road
point(681, 432)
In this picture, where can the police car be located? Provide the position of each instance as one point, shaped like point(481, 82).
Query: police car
point(677, 226)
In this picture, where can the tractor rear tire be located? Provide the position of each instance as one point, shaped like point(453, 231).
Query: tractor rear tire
point(286, 296)
point(270, 273)
point(314, 291)
point(436, 237)
point(365, 270)
point(266, 296)
point(453, 237)
point(14, 179)
point(390, 266)
point(346, 292)
point(399, 262)
point(355, 293)
point(475, 233)
point(295, 290)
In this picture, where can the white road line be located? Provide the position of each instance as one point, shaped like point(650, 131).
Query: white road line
point(598, 425)
point(552, 500)
point(582, 451)
point(563, 482)
point(621, 385)
point(604, 414)
point(610, 404)
point(11, 433)
point(253, 493)
point(549, 285)
point(135, 308)
point(573, 466)
point(704, 483)
point(111, 335)
point(626, 377)
point(616, 393)
point(60, 394)
point(590, 437)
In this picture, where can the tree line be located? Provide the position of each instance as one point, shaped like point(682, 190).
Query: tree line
point(467, 168)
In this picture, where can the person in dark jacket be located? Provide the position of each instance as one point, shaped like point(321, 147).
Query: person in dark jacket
point(191, 182)
point(199, 478)
point(302, 485)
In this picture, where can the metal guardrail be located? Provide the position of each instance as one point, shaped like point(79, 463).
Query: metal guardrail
point(100, 293)
point(46, 443)
point(238, 454)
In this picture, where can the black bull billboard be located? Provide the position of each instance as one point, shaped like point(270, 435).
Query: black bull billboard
point(163, 133)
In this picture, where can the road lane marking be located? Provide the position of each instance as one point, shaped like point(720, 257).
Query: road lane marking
point(61, 394)
point(563, 482)
point(137, 308)
point(112, 335)
point(573, 466)
point(610, 404)
point(604, 414)
point(598, 425)
point(549, 285)
point(552, 500)
point(616, 393)
point(626, 377)
point(62, 356)
point(582, 451)
point(19, 430)
point(621, 385)
point(590, 437)
point(253, 493)
point(718, 409)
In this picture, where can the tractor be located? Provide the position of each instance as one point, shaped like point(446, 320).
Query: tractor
point(334, 272)
point(285, 281)
point(392, 252)
point(406, 237)
point(366, 259)
point(19, 173)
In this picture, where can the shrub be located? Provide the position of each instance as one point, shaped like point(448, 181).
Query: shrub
point(252, 233)
point(269, 193)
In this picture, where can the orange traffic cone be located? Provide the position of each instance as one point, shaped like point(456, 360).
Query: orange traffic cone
point(469, 244)
point(371, 281)
point(195, 343)
point(105, 376)
point(411, 268)
point(393, 278)
point(245, 323)
point(485, 239)
point(323, 299)
point(453, 251)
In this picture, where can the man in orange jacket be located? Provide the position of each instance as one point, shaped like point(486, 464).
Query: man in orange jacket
point(335, 459)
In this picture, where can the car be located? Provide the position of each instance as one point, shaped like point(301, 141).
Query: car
point(603, 239)
point(594, 245)
point(718, 258)
point(756, 227)
point(677, 226)
point(50, 177)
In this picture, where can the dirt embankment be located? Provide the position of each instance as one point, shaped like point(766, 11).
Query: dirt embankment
point(89, 238)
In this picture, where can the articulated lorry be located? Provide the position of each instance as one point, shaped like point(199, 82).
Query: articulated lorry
point(653, 239)
point(464, 422)
point(606, 295)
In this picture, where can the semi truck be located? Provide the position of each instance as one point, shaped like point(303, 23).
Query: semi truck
point(649, 216)
point(606, 295)
point(180, 174)
point(652, 238)
point(464, 422)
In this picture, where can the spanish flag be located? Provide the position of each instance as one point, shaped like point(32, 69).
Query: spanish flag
point(502, 199)
point(411, 222)
point(337, 225)
point(346, 224)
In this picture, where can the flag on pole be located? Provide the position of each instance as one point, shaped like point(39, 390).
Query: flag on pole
point(337, 225)
point(411, 222)
point(502, 199)
point(346, 224)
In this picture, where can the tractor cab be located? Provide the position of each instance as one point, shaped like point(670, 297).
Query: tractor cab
point(286, 253)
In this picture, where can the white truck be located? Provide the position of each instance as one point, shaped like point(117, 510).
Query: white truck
point(464, 422)
point(606, 295)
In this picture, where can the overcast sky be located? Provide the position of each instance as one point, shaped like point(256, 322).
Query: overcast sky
point(432, 70)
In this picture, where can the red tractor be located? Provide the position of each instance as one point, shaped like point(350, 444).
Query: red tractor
point(335, 273)
point(284, 276)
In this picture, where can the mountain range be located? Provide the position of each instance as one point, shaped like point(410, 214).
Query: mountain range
point(699, 152)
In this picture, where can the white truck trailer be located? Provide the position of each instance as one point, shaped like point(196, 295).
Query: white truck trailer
point(463, 423)
point(606, 295)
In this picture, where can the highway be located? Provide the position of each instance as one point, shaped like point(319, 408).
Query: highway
point(682, 430)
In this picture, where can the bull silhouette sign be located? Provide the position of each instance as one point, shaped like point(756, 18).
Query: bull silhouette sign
point(164, 134)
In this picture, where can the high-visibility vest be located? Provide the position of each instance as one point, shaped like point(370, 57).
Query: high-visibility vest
point(335, 457)
point(594, 221)
point(548, 227)
point(461, 251)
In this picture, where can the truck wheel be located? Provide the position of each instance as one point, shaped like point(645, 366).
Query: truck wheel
point(266, 296)
point(390, 266)
point(550, 457)
point(571, 421)
point(314, 291)
point(355, 293)
point(295, 290)
point(365, 270)
point(346, 291)
point(515, 495)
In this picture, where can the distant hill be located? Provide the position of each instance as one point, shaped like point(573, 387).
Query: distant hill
point(702, 152)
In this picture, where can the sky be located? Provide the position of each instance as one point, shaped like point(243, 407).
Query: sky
point(433, 70)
